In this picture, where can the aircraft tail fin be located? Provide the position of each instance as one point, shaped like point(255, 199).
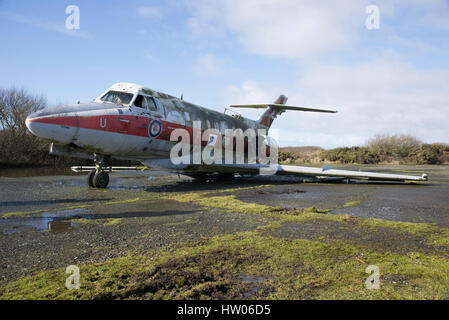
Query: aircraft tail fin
point(267, 118)
point(277, 108)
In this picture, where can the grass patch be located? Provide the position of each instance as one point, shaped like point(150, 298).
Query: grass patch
point(124, 201)
point(436, 235)
point(253, 264)
point(84, 221)
point(351, 204)
point(113, 222)
point(105, 221)
point(247, 265)
point(231, 203)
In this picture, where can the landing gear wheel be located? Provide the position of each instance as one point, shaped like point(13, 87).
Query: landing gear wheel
point(101, 180)
point(90, 178)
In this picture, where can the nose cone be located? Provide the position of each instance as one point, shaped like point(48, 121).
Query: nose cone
point(53, 125)
point(33, 125)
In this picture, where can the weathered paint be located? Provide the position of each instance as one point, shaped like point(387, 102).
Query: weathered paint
point(130, 132)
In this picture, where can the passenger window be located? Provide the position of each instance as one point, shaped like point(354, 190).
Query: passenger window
point(139, 101)
point(151, 105)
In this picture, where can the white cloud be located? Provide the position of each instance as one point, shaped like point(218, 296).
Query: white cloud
point(148, 56)
point(46, 25)
point(149, 12)
point(383, 94)
point(209, 65)
point(282, 28)
point(375, 97)
point(249, 92)
point(309, 29)
point(378, 97)
point(433, 13)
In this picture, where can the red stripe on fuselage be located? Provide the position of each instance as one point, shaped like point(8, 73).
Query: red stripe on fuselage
point(124, 124)
point(133, 125)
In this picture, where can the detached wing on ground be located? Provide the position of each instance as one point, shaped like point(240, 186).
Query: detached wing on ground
point(358, 175)
point(302, 171)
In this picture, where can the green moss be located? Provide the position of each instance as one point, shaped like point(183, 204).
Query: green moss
point(105, 221)
point(352, 204)
point(435, 234)
point(231, 203)
point(113, 222)
point(83, 221)
point(223, 267)
point(125, 201)
point(285, 269)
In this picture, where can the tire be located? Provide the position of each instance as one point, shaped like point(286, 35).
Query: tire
point(101, 180)
point(90, 178)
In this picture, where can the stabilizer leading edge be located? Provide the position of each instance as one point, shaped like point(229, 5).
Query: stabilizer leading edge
point(275, 109)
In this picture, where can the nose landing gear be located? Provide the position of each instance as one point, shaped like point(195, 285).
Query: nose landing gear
point(98, 178)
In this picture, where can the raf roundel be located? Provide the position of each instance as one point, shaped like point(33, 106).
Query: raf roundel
point(155, 128)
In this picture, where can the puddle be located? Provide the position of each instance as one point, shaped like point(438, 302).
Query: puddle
point(48, 221)
point(255, 284)
point(59, 226)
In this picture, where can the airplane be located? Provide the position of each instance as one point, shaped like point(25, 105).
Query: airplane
point(132, 122)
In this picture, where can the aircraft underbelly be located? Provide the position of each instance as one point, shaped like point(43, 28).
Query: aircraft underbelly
point(100, 141)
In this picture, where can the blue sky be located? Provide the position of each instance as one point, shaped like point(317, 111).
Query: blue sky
point(393, 80)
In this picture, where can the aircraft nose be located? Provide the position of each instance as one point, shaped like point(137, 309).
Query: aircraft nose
point(54, 126)
point(32, 123)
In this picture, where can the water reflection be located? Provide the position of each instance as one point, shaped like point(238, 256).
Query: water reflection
point(59, 226)
point(48, 221)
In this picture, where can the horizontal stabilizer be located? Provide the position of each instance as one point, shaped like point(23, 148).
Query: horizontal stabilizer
point(280, 107)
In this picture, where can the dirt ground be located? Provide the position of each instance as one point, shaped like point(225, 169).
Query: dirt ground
point(48, 222)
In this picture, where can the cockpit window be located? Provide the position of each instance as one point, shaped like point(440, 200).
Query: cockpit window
point(145, 103)
point(139, 102)
point(151, 104)
point(117, 97)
